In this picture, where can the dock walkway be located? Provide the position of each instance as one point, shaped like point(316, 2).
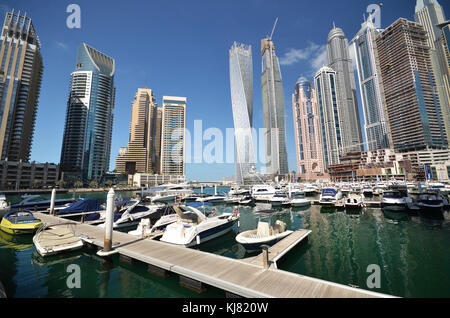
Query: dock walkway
point(281, 248)
point(238, 277)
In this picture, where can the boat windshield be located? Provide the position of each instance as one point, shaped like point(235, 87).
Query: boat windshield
point(329, 192)
point(392, 195)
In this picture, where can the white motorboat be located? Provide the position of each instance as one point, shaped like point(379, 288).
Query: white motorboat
point(168, 193)
point(354, 200)
point(265, 234)
point(299, 201)
point(311, 190)
point(379, 189)
point(55, 239)
point(263, 193)
point(438, 187)
point(132, 214)
point(4, 206)
point(330, 197)
point(213, 199)
point(279, 199)
point(195, 228)
point(394, 200)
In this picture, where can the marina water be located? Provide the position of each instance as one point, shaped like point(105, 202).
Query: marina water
point(413, 254)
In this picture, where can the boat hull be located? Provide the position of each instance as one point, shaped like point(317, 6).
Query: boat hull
point(255, 245)
point(19, 229)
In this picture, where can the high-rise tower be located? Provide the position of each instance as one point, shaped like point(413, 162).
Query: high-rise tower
point(430, 14)
point(407, 77)
point(339, 60)
point(273, 110)
point(307, 128)
point(20, 84)
point(375, 119)
point(330, 116)
point(141, 154)
point(241, 84)
point(173, 134)
point(86, 145)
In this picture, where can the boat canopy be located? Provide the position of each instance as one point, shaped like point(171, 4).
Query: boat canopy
point(84, 205)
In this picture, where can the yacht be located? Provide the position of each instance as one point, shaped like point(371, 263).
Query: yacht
point(330, 197)
point(39, 203)
point(263, 193)
point(214, 199)
point(379, 189)
point(310, 190)
point(439, 187)
point(367, 190)
point(168, 193)
point(195, 228)
point(279, 199)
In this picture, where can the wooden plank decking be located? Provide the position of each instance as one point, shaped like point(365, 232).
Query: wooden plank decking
point(238, 277)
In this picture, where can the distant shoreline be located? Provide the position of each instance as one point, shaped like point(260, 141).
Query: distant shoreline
point(49, 191)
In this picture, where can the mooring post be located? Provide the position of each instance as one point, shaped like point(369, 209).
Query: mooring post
point(265, 250)
point(52, 202)
point(109, 221)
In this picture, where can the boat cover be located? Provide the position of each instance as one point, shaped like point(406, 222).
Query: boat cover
point(81, 206)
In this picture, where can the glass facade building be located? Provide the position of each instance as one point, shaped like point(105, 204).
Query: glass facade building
point(430, 15)
point(241, 84)
point(173, 132)
point(20, 83)
point(339, 60)
point(86, 145)
point(330, 116)
point(273, 111)
point(376, 127)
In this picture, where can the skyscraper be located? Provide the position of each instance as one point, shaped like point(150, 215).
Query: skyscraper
point(339, 60)
point(273, 111)
point(86, 145)
point(330, 115)
point(141, 154)
point(430, 14)
point(364, 51)
point(444, 59)
point(20, 83)
point(173, 136)
point(241, 84)
point(307, 128)
point(407, 77)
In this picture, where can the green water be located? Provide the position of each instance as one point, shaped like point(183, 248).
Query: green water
point(413, 254)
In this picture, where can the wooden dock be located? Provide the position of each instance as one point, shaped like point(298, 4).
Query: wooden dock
point(277, 251)
point(238, 277)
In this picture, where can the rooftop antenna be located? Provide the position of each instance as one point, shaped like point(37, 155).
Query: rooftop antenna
point(334, 25)
point(273, 30)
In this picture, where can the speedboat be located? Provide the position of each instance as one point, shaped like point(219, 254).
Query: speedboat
point(194, 228)
point(55, 239)
point(39, 203)
point(393, 200)
point(263, 193)
point(4, 206)
point(20, 222)
point(431, 204)
point(298, 200)
point(132, 214)
point(367, 190)
point(265, 234)
point(214, 199)
point(279, 199)
point(354, 200)
point(330, 197)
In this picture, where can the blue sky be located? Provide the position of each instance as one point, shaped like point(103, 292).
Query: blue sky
point(180, 48)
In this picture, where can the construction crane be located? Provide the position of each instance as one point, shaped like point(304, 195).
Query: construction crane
point(273, 30)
